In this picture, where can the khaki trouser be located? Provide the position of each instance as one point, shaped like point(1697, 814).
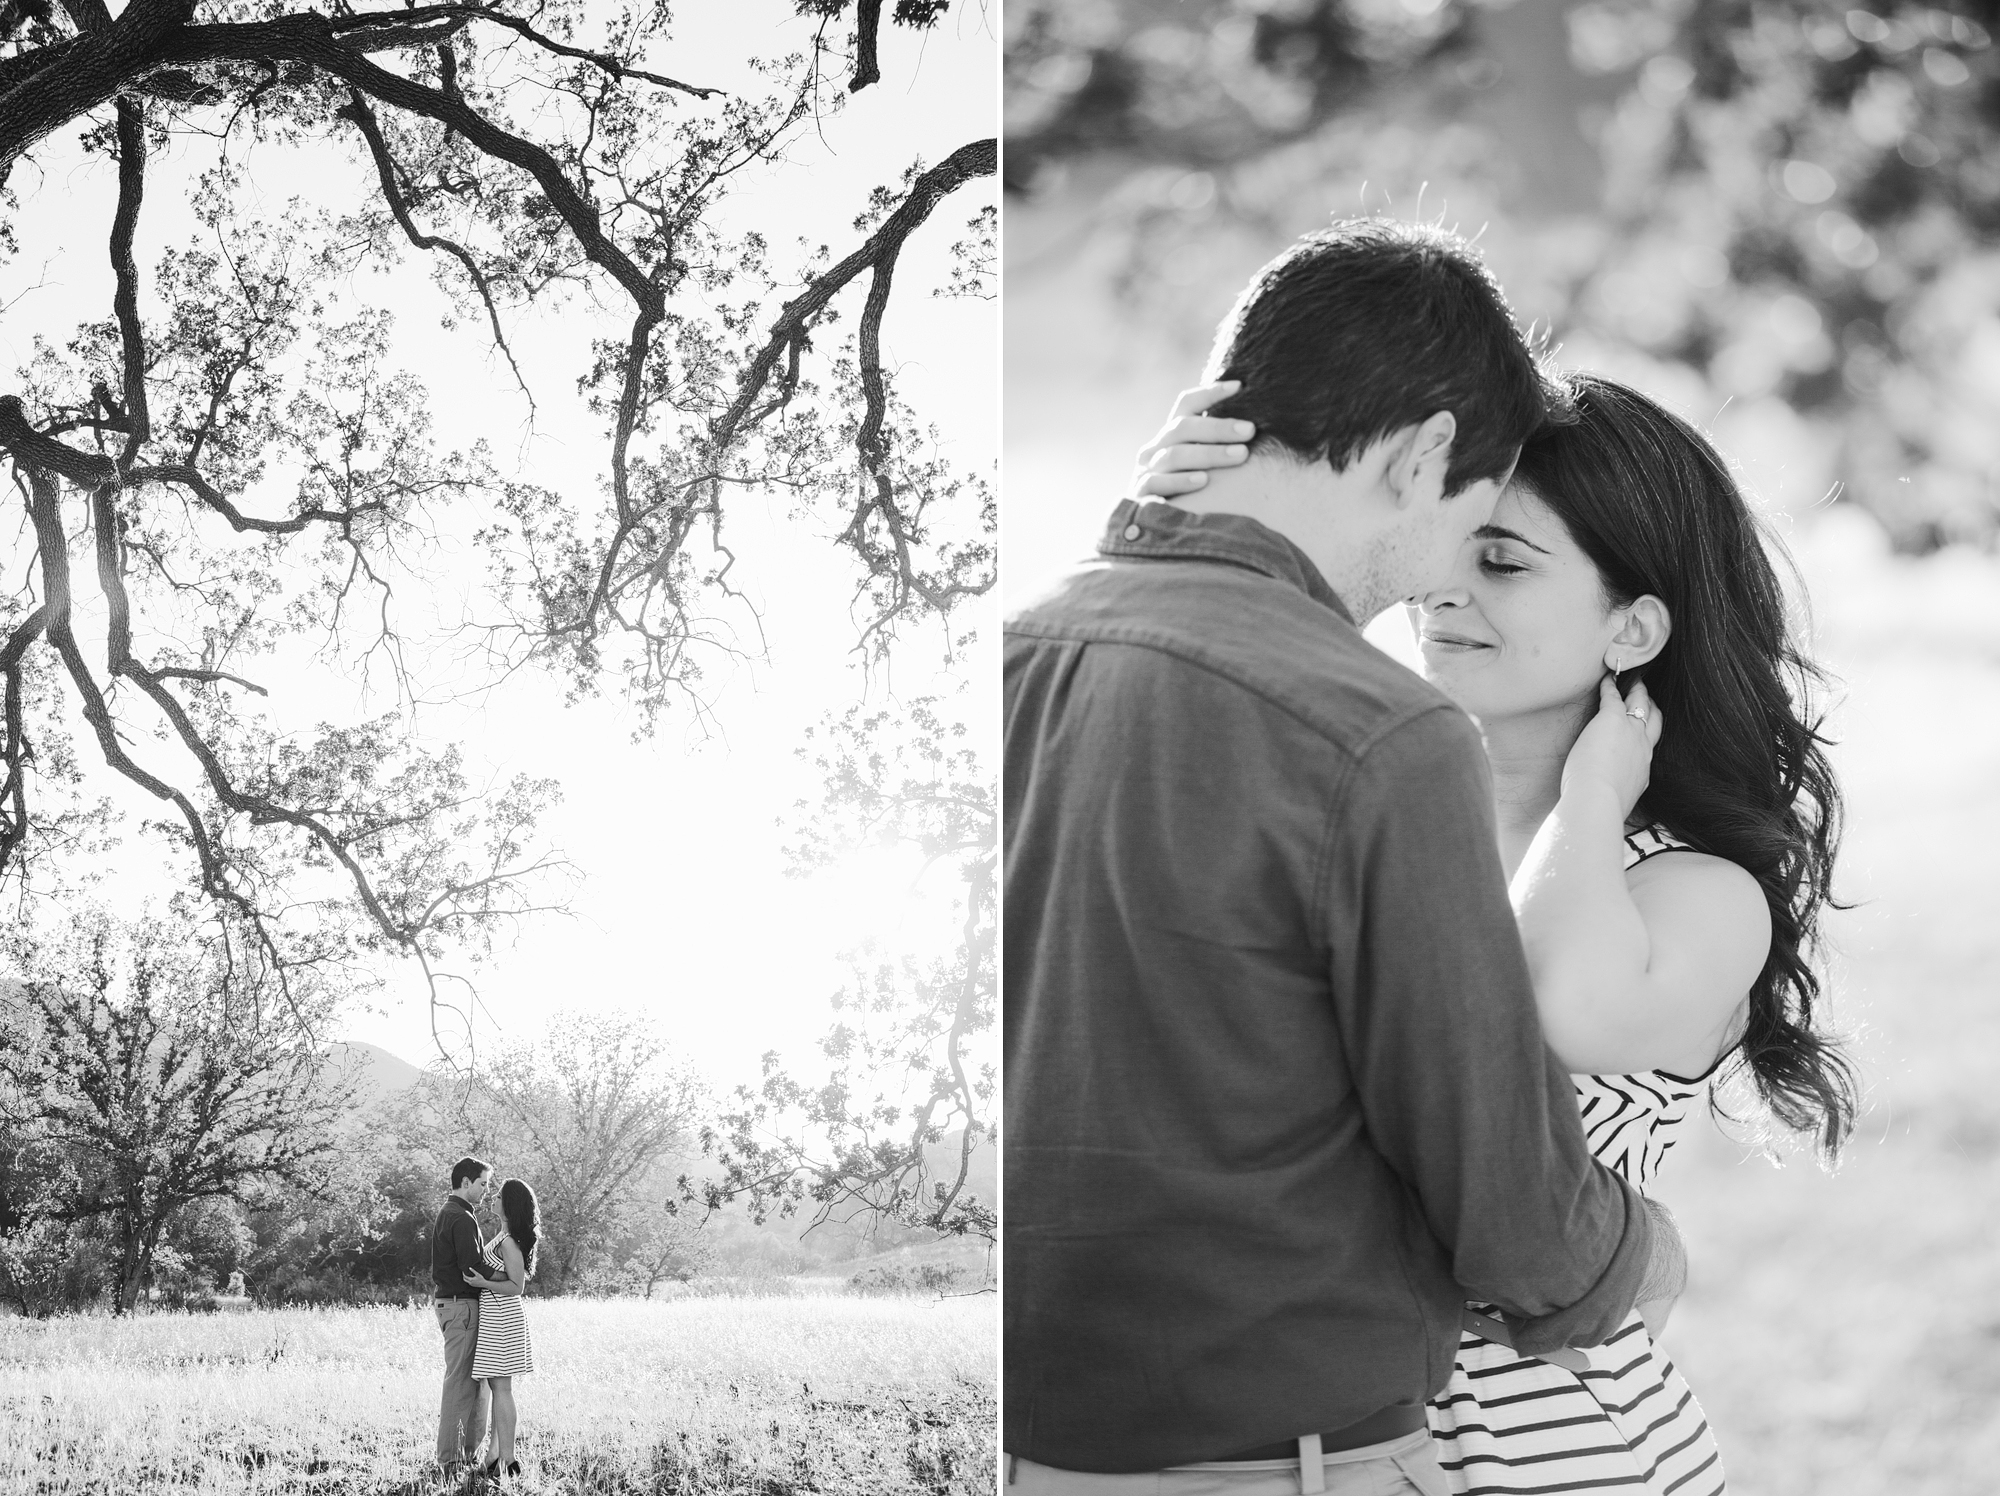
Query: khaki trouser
point(462, 1410)
point(1407, 1466)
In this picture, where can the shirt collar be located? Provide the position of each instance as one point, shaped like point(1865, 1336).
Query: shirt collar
point(1154, 531)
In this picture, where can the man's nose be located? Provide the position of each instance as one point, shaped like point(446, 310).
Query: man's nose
point(1440, 598)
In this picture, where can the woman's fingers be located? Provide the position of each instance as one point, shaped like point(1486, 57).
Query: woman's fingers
point(1180, 456)
point(1175, 460)
point(1178, 459)
point(1193, 402)
point(1153, 485)
point(1203, 434)
point(1656, 720)
point(1203, 429)
point(1637, 704)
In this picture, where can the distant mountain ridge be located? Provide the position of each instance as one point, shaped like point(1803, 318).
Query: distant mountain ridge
point(377, 1074)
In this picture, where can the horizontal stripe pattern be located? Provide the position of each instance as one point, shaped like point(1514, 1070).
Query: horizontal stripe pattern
point(1513, 1426)
point(503, 1349)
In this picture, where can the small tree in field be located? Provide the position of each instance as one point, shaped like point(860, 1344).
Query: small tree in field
point(588, 1114)
point(662, 1243)
point(150, 1066)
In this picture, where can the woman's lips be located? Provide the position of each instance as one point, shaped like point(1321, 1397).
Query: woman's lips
point(1454, 642)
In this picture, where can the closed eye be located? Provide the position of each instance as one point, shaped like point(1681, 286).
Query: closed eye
point(1499, 566)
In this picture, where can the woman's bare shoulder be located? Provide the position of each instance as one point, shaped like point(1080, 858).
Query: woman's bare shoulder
point(1709, 926)
point(1703, 884)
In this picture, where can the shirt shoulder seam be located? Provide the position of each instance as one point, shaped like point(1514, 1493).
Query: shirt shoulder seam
point(1192, 657)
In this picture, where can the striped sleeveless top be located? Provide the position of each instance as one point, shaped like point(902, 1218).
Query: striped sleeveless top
point(503, 1349)
point(1506, 1425)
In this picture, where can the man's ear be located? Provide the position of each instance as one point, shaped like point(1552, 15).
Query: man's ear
point(1420, 459)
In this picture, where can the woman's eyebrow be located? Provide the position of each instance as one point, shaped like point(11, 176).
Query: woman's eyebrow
point(1501, 532)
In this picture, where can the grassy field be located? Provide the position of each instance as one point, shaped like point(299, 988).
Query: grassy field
point(1843, 1332)
point(770, 1396)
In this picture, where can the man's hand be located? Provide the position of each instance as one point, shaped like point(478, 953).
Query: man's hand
point(1667, 1269)
point(1655, 1312)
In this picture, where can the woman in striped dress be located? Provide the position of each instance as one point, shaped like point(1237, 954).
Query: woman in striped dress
point(1615, 1416)
point(1668, 820)
point(502, 1351)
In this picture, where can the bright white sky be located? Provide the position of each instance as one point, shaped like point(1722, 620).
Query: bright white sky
point(684, 908)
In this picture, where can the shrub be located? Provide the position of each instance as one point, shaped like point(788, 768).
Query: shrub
point(49, 1268)
point(908, 1277)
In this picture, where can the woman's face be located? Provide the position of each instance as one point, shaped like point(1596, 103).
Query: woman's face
point(1523, 624)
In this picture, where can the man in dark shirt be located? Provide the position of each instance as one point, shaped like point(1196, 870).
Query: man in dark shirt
point(454, 1248)
point(1277, 1099)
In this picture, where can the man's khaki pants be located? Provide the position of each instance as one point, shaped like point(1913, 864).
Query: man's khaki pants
point(1407, 1466)
point(462, 1411)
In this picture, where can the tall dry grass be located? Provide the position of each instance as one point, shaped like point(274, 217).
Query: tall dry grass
point(770, 1395)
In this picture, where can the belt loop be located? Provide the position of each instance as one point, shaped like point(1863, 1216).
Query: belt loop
point(1012, 1461)
point(1312, 1465)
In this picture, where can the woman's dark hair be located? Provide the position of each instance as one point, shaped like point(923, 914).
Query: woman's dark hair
point(1740, 771)
point(524, 1219)
point(1373, 325)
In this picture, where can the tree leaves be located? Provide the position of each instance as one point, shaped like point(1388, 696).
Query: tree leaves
point(894, 1130)
point(234, 467)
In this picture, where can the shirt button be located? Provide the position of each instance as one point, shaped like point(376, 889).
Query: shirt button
point(1133, 532)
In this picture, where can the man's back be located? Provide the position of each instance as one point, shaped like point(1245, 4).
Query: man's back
point(1266, 1017)
point(454, 1248)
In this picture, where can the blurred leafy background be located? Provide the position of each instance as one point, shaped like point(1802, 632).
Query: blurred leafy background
point(1780, 219)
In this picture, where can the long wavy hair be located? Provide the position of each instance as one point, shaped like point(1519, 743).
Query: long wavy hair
point(523, 1215)
point(1740, 771)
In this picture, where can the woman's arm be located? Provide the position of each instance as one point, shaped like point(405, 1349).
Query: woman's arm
point(516, 1281)
point(1645, 972)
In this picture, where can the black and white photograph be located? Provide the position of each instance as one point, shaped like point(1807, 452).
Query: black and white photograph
point(1501, 616)
point(498, 746)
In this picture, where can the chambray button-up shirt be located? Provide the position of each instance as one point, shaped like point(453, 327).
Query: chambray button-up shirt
point(1277, 1101)
point(454, 1248)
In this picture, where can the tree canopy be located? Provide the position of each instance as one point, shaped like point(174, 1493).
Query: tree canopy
point(224, 474)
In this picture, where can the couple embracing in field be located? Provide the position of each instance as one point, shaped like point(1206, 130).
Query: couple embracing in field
point(1349, 1015)
point(477, 1286)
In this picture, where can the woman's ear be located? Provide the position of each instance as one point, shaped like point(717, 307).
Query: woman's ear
point(1641, 635)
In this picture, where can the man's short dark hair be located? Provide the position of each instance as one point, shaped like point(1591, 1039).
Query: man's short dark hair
point(467, 1169)
point(1369, 327)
